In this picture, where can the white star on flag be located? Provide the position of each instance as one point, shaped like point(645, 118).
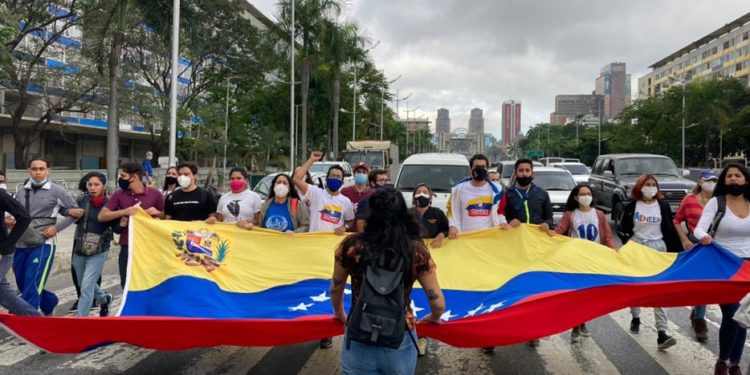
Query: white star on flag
point(301, 307)
point(493, 307)
point(320, 298)
point(347, 291)
point(475, 311)
point(447, 316)
point(415, 308)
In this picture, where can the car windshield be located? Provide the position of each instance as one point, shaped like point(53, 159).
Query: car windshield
point(551, 181)
point(639, 166)
point(576, 169)
point(507, 171)
point(440, 178)
point(320, 168)
point(372, 158)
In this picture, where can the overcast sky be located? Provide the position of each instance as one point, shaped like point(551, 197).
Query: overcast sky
point(461, 54)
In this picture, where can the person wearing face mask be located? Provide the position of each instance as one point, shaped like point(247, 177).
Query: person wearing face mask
point(329, 210)
point(35, 249)
point(133, 195)
point(689, 212)
point(240, 204)
point(474, 202)
point(91, 246)
point(493, 176)
point(282, 211)
point(526, 202)
point(582, 220)
point(360, 191)
point(726, 221)
point(170, 181)
point(378, 179)
point(647, 220)
point(433, 220)
point(191, 202)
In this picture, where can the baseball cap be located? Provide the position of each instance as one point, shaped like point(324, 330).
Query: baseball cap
point(362, 165)
point(708, 174)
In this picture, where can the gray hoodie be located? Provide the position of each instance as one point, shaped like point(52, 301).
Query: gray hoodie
point(49, 200)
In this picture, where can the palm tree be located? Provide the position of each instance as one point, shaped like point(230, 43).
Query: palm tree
point(311, 18)
point(340, 45)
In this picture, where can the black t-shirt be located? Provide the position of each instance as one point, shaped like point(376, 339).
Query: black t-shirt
point(195, 205)
point(433, 222)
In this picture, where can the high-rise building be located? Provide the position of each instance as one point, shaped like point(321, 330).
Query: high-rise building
point(614, 84)
point(476, 121)
point(725, 52)
point(511, 121)
point(569, 107)
point(443, 122)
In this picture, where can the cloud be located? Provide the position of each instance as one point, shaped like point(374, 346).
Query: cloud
point(465, 54)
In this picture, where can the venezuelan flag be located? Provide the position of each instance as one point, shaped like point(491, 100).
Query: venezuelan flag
point(195, 285)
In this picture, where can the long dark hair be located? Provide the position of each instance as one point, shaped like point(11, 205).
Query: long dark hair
point(83, 182)
point(721, 185)
point(166, 187)
point(292, 190)
point(389, 226)
point(572, 204)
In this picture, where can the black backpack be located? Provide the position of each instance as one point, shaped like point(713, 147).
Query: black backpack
point(720, 211)
point(378, 318)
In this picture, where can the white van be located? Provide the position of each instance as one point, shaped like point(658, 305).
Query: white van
point(439, 171)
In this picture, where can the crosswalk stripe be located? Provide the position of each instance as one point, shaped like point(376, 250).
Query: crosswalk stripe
point(687, 357)
point(557, 356)
point(592, 358)
point(325, 361)
point(228, 360)
point(115, 357)
point(445, 359)
point(13, 351)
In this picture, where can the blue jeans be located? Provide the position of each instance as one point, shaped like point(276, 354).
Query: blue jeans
point(88, 270)
point(731, 335)
point(122, 263)
point(699, 312)
point(358, 358)
point(32, 266)
point(8, 297)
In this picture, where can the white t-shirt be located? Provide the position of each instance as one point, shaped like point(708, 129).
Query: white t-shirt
point(585, 225)
point(234, 207)
point(327, 212)
point(647, 221)
point(733, 232)
point(476, 206)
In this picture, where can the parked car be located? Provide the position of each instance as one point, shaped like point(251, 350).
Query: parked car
point(578, 170)
point(439, 170)
point(613, 176)
point(548, 160)
point(506, 169)
point(558, 183)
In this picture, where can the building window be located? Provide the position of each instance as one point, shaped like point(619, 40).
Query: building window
point(726, 44)
point(746, 35)
point(738, 67)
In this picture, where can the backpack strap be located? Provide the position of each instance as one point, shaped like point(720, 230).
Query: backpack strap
point(720, 211)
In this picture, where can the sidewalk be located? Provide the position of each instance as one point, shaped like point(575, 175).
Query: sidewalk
point(64, 251)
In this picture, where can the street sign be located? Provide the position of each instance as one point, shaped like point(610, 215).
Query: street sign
point(535, 153)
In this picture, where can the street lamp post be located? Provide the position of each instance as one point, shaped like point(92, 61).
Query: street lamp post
point(382, 105)
point(226, 131)
point(291, 91)
point(173, 87)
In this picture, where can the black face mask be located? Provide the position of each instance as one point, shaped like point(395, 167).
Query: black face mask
point(524, 181)
point(422, 201)
point(169, 180)
point(736, 190)
point(123, 183)
point(479, 174)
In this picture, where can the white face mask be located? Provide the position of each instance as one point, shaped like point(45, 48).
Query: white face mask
point(585, 200)
point(3, 186)
point(281, 190)
point(649, 191)
point(183, 181)
point(708, 186)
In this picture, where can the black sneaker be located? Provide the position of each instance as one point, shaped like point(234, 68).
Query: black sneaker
point(104, 310)
point(488, 349)
point(584, 330)
point(326, 343)
point(665, 341)
point(534, 343)
point(575, 335)
point(74, 308)
point(635, 325)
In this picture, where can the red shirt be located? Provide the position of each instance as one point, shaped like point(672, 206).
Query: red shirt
point(355, 197)
point(126, 198)
point(690, 211)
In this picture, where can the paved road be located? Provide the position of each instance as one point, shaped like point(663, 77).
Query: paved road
point(611, 349)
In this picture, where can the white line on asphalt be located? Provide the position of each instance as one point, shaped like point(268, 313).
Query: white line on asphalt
point(453, 360)
point(115, 357)
point(686, 357)
point(325, 361)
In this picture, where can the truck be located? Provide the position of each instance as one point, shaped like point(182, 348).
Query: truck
point(377, 154)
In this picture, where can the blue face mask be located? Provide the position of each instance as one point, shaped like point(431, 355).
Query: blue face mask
point(38, 184)
point(334, 184)
point(360, 178)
